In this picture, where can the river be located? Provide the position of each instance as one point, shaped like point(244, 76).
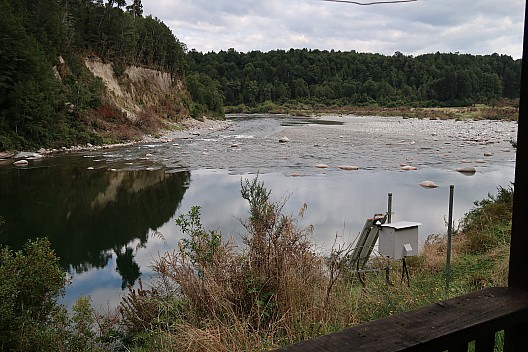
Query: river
point(109, 213)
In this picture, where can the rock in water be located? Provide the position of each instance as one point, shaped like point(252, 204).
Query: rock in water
point(428, 184)
point(348, 167)
point(469, 170)
point(408, 167)
point(6, 155)
point(22, 162)
point(321, 166)
point(284, 140)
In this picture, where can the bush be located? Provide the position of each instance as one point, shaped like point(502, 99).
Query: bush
point(488, 224)
point(32, 281)
point(273, 291)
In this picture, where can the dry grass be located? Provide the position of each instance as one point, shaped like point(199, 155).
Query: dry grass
point(433, 255)
point(274, 291)
point(277, 290)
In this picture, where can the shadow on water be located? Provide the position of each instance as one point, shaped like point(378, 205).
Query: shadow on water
point(310, 121)
point(88, 215)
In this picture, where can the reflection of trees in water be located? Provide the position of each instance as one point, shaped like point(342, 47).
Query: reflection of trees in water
point(127, 267)
point(86, 214)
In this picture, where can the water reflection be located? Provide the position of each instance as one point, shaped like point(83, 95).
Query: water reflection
point(109, 214)
point(127, 267)
point(88, 215)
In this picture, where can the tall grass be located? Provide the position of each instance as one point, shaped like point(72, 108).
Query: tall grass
point(276, 289)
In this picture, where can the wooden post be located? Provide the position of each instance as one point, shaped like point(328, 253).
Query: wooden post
point(515, 339)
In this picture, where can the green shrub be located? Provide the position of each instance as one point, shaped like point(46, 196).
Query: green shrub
point(488, 224)
point(32, 281)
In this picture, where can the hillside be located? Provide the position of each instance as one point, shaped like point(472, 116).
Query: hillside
point(74, 72)
point(80, 71)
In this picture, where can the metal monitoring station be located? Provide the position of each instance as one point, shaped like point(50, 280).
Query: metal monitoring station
point(398, 240)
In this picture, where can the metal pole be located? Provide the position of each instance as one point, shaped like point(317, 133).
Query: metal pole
point(449, 229)
point(389, 209)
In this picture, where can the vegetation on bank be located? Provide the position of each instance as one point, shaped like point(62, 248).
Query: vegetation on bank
point(504, 110)
point(275, 290)
point(48, 97)
point(335, 78)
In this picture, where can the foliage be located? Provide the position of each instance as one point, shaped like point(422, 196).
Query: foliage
point(32, 280)
point(359, 79)
point(272, 291)
point(202, 245)
point(46, 91)
point(206, 94)
point(488, 224)
point(31, 318)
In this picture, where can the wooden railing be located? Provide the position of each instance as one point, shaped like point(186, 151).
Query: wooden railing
point(448, 325)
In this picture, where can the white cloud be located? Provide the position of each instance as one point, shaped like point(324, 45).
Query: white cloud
point(424, 26)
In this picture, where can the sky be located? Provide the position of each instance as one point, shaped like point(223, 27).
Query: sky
point(478, 27)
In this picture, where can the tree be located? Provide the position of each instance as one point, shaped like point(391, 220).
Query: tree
point(135, 9)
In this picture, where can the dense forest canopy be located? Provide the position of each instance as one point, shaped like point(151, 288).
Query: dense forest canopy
point(351, 78)
point(45, 88)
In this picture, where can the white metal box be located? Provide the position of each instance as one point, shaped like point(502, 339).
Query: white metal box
point(399, 239)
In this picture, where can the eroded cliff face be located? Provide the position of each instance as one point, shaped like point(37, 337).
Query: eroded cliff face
point(142, 90)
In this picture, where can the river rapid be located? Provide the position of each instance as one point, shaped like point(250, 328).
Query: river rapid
point(109, 213)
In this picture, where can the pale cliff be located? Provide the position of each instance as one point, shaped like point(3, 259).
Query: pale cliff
point(142, 90)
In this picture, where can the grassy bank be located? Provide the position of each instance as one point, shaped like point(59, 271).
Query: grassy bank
point(503, 110)
point(277, 289)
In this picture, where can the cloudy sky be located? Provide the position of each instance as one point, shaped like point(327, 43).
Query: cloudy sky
point(413, 28)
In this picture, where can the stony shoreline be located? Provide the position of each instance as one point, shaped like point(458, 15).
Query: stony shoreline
point(186, 129)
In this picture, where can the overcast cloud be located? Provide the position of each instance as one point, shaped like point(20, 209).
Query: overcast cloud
point(424, 26)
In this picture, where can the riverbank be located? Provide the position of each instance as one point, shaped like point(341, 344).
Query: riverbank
point(504, 110)
point(188, 128)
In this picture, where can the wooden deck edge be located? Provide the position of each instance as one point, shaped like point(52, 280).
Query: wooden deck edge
point(435, 327)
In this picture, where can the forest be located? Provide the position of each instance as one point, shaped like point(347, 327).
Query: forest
point(47, 95)
point(359, 79)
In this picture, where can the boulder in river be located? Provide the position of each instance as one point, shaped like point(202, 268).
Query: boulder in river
point(348, 167)
point(428, 184)
point(408, 167)
point(6, 155)
point(468, 170)
point(22, 162)
point(29, 156)
point(321, 166)
point(284, 140)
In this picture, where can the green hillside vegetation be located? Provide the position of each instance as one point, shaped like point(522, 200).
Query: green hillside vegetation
point(273, 291)
point(48, 98)
point(269, 81)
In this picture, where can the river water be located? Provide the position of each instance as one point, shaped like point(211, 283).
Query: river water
point(109, 213)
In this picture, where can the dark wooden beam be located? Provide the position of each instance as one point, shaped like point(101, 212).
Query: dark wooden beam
point(446, 325)
point(518, 274)
point(518, 271)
